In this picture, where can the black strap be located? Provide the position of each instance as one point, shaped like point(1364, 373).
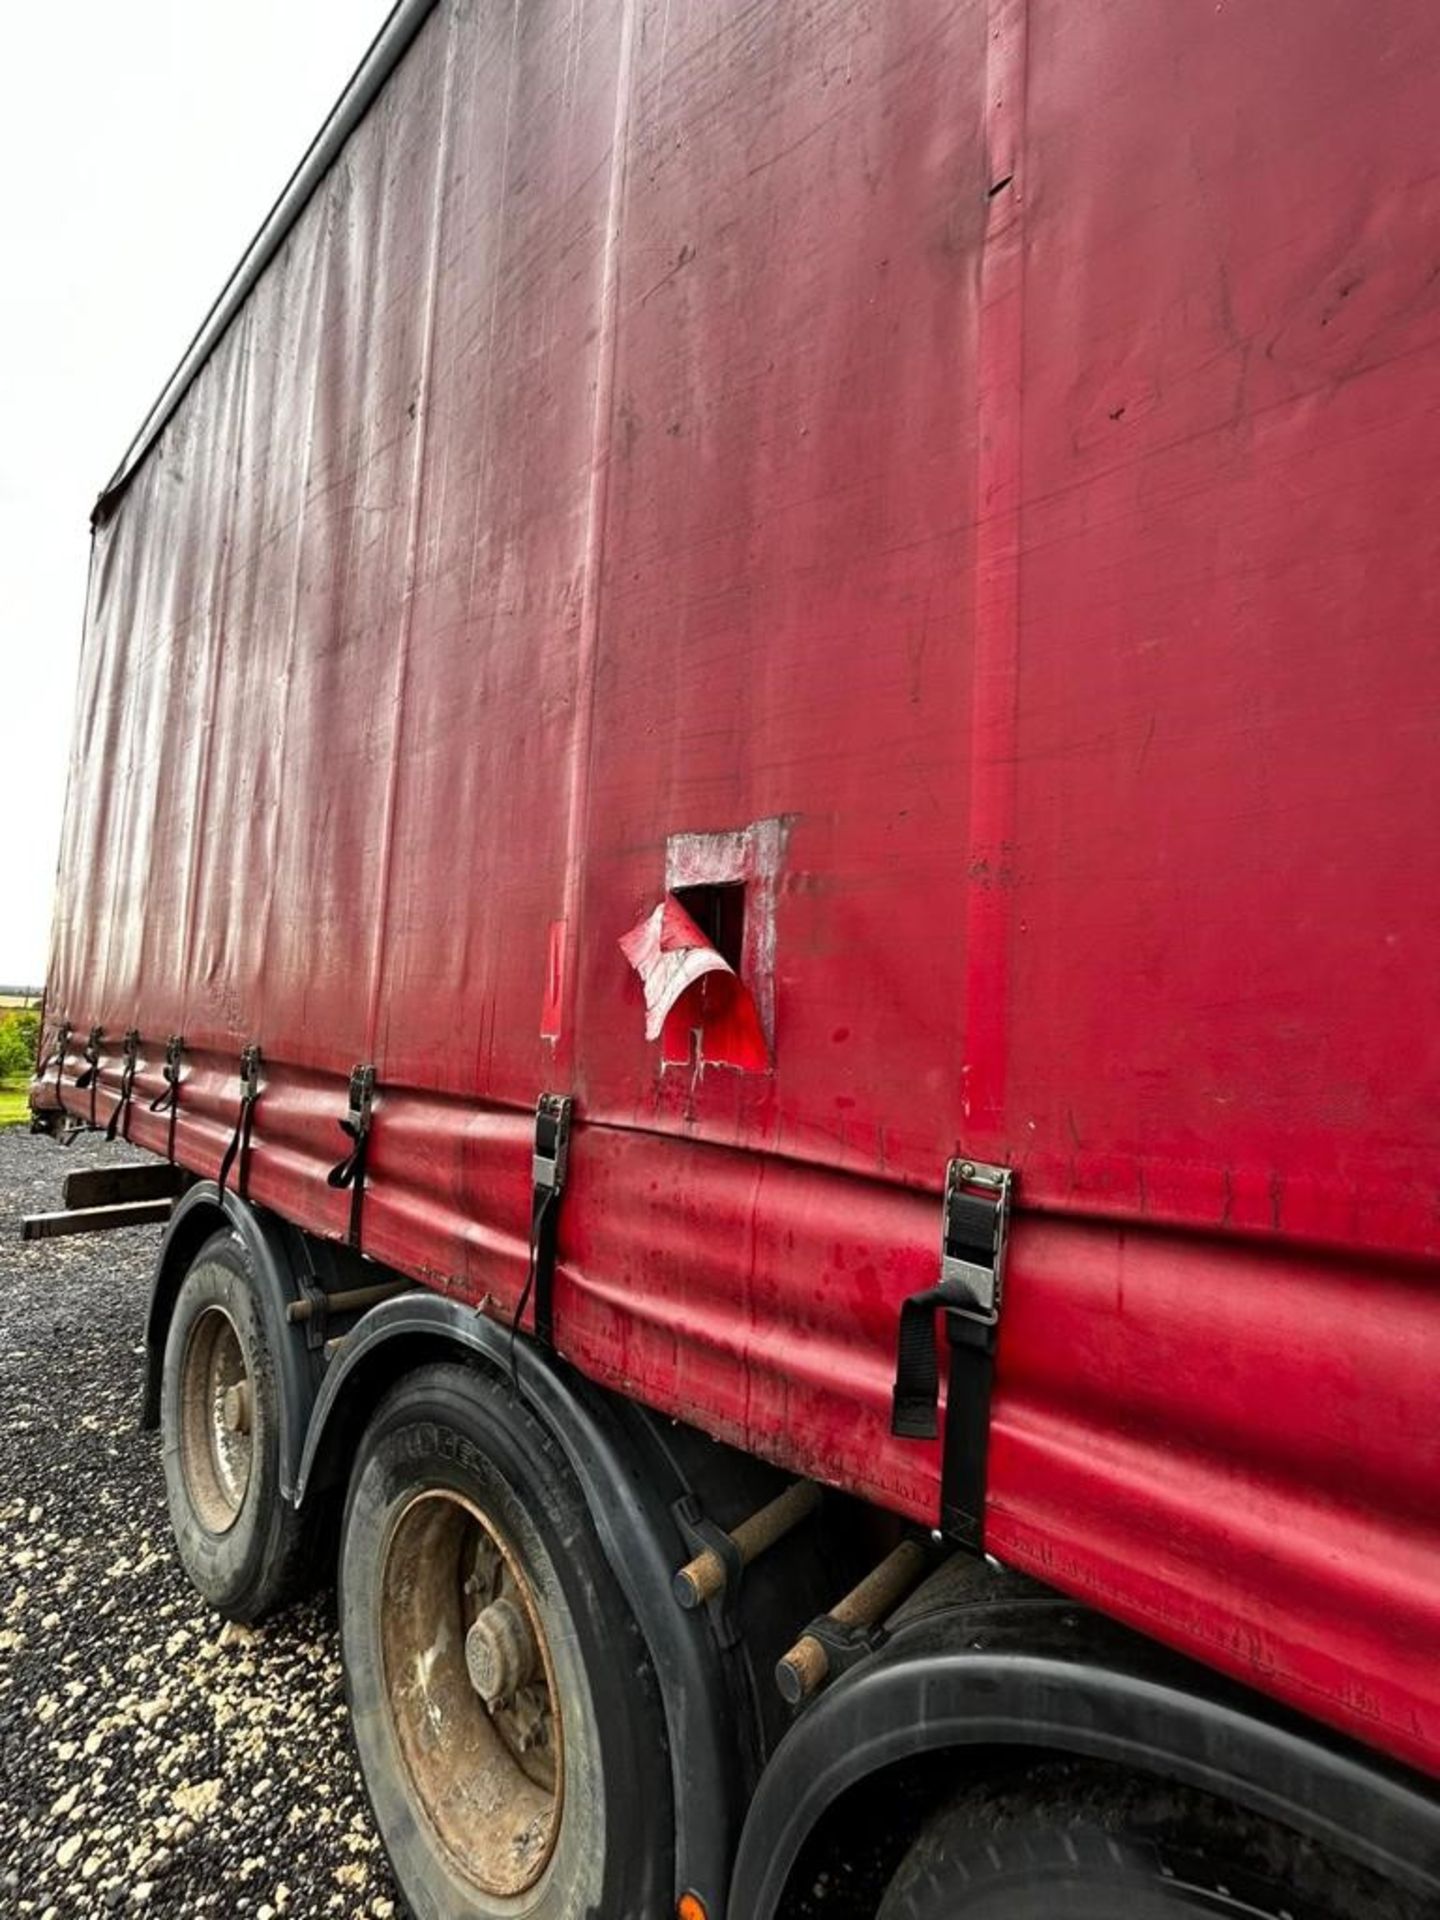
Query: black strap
point(120, 1112)
point(917, 1369)
point(168, 1100)
point(517, 1319)
point(972, 1254)
point(350, 1172)
point(70, 1127)
point(965, 1458)
point(549, 1163)
point(62, 1047)
point(90, 1078)
point(245, 1121)
point(967, 1404)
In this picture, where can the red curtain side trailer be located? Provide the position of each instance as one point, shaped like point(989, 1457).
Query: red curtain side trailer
point(770, 662)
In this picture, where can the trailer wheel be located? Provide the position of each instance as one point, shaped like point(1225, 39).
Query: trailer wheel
point(1096, 1847)
point(239, 1539)
point(508, 1724)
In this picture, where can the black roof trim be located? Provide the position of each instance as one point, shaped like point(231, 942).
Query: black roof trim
point(384, 55)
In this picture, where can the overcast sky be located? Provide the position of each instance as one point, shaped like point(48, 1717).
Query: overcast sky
point(141, 145)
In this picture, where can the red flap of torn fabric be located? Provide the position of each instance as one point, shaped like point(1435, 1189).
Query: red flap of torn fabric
point(691, 989)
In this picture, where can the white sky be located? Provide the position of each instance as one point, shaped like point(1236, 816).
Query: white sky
point(141, 144)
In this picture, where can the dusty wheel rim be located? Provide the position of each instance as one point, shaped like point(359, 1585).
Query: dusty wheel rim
point(487, 1778)
point(217, 1446)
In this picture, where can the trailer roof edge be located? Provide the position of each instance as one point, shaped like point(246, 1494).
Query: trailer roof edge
point(384, 54)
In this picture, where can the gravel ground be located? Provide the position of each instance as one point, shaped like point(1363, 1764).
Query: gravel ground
point(152, 1757)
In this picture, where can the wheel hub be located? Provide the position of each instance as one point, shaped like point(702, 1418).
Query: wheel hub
point(236, 1407)
point(470, 1690)
point(500, 1653)
point(216, 1416)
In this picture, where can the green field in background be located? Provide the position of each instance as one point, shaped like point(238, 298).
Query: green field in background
point(13, 1106)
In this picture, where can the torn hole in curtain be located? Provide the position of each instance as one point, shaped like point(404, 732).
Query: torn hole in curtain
point(695, 1002)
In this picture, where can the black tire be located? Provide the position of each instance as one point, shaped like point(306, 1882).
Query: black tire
point(1088, 1844)
point(1039, 1874)
point(451, 1448)
point(244, 1547)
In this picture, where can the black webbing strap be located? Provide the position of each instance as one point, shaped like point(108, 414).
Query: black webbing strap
point(168, 1100)
point(549, 1161)
point(917, 1369)
point(90, 1078)
point(69, 1127)
point(120, 1112)
point(350, 1172)
point(965, 1457)
point(976, 1216)
point(245, 1121)
point(62, 1047)
point(548, 1167)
